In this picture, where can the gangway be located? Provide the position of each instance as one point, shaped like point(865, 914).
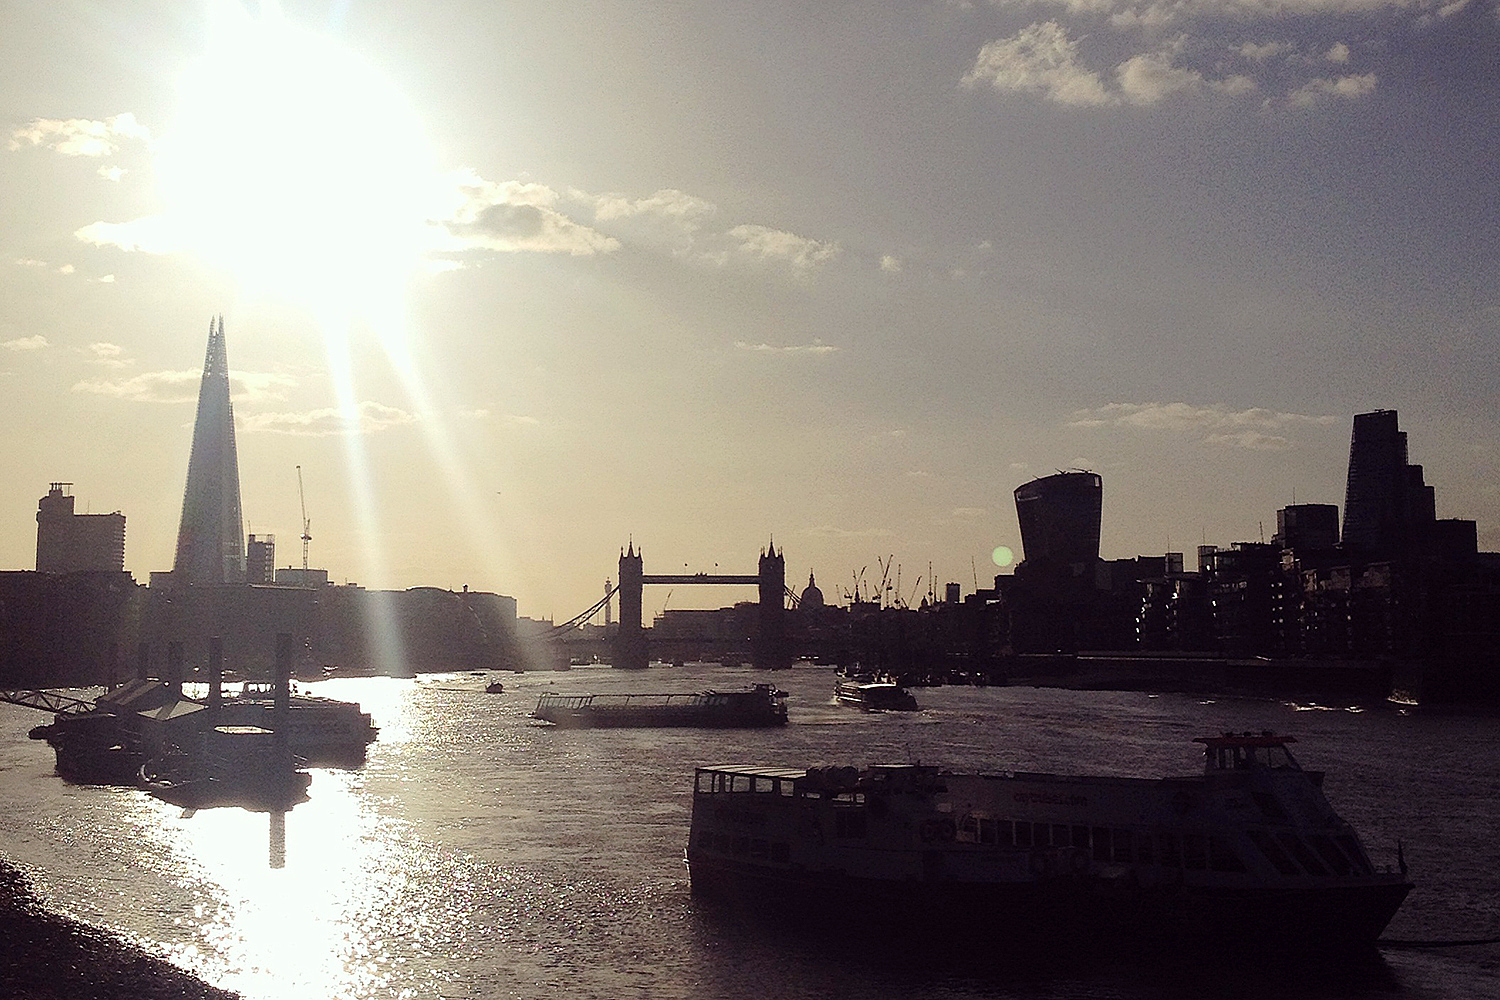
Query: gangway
point(46, 701)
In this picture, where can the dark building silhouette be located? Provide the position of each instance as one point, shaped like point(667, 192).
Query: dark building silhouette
point(210, 542)
point(1387, 506)
point(1307, 526)
point(1059, 517)
point(67, 542)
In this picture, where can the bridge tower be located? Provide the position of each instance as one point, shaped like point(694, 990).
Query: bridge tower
point(630, 650)
point(771, 649)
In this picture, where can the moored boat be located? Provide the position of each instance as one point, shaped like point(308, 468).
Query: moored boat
point(1248, 851)
point(757, 706)
point(243, 766)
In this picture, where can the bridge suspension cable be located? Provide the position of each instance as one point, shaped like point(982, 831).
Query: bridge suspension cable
point(584, 616)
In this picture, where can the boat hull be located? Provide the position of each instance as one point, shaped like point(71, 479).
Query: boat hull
point(1046, 912)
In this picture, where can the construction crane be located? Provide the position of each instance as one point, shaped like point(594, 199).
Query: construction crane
point(306, 524)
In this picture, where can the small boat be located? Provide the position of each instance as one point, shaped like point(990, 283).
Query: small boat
point(874, 693)
point(758, 706)
point(494, 687)
point(1249, 851)
point(243, 766)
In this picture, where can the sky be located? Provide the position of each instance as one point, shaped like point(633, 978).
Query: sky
point(517, 284)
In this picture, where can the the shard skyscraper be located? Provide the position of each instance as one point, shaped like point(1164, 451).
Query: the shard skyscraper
point(210, 539)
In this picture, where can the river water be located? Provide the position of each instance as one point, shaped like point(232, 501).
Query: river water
point(479, 854)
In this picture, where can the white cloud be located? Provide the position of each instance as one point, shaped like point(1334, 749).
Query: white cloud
point(515, 216)
point(1249, 428)
point(367, 418)
point(1253, 440)
point(111, 173)
point(830, 531)
point(35, 343)
point(107, 355)
point(30, 262)
point(890, 264)
point(816, 347)
point(80, 136)
point(148, 234)
point(182, 387)
point(1149, 77)
point(764, 243)
point(1337, 53)
point(1039, 59)
point(1344, 87)
point(676, 207)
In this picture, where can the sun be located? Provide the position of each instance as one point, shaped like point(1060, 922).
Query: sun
point(297, 167)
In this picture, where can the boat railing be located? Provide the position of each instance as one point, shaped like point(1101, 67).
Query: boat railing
point(608, 702)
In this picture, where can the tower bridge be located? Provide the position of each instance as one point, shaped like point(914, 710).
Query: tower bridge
point(770, 648)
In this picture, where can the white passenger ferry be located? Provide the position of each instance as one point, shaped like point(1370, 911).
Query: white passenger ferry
point(1249, 850)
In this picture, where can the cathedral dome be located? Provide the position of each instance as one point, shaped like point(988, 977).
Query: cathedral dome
point(812, 597)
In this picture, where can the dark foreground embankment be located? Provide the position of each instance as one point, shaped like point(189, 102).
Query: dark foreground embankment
point(44, 956)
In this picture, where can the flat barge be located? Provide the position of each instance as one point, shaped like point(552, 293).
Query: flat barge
point(762, 705)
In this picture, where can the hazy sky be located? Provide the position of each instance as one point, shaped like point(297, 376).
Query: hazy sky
point(517, 282)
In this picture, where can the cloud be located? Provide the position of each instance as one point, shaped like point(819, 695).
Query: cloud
point(367, 418)
point(1332, 88)
point(108, 355)
point(816, 347)
point(1249, 428)
point(35, 343)
point(80, 136)
point(516, 216)
point(1039, 59)
point(890, 264)
point(1103, 53)
point(182, 387)
point(148, 234)
point(830, 531)
point(1253, 440)
point(670, 205)
point(801, 253)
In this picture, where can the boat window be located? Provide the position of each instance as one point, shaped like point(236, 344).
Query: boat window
point(1274, 854)
point(1005, 834)
point(785, 786)
point(1331, 854)
point(1041, 835)
point(1023, 834)
point(1222, 856)
point(987, 833)
point(1060, 836)
point(968, 830)
point(704, 782)
point(740, 783)
point(1351, 848)
point(763, 784)
point(1299, 851)
point(1194, 851)
point(1124, 844)
point(1080, 837)
point(1171, 853)
point(1101, 843)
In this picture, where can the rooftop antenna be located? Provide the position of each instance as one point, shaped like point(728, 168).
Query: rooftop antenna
point(306, 524)
point(975, 570)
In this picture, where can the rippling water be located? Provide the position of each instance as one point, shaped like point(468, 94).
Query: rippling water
point(479, 854)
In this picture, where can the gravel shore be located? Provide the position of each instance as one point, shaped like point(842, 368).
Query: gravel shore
point(44, 956)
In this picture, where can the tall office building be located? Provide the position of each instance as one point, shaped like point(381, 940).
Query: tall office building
point(1387, 505)
point(67, 542)
point(210, 539)
point(1060, 517)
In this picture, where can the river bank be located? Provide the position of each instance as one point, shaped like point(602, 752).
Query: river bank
point(44, 956)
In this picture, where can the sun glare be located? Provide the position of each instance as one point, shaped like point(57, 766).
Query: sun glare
point(297, 167)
